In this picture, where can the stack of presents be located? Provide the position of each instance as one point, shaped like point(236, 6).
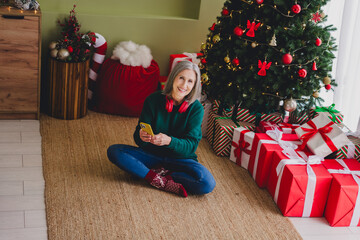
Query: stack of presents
point(309, 164)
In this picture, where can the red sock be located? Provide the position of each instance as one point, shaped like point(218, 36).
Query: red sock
point(165, 183)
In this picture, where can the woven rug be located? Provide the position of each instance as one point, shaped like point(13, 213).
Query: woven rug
point(87, 197)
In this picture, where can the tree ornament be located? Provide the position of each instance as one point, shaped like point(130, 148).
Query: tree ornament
point(263, 67)
point(326, 80)
point(290, 105)
point(316, 17)
point(203, 46)
point(53, 53)
point(314, 68)
point(236, 61)
point(254, 44)
point(63, 54)
point(213, 27)
point(225, 12)
point(287, 58)
point(273, 42)
point(238, 31)
point(216, 38)
point(259, 1)
point(252, 28)
point(201, 66)
point(302, 73)
point(318, 42)
point(328, 86)
point(204, 78)
point(52, 45)
point(322, 14)
point(70, 49)
point(316, 94)
point(203, 60)
point(296, 8)
point(227, 59)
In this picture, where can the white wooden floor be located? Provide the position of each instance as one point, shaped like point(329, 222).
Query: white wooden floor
point(22, 208)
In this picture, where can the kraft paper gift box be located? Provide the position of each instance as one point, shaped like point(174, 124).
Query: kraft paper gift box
point(288, 128)
point(330, 112)
point(265, 144)
point(241, 146)
point(343, 204)
point(351, 150)
point(321, 136)
point(192, 57)
point(299, 183)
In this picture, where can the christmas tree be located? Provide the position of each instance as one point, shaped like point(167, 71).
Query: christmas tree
point(261, 53)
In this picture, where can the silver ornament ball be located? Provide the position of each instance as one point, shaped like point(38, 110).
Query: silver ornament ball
point(63, 54)
point(53, 53)
point(52, 45)
point(290, 105)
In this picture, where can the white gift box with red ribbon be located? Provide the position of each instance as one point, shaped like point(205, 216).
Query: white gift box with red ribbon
point(241, 146)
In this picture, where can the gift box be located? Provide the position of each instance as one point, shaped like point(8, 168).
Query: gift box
point(343, 204)
point(321, 136)
point(299, 183)
point(241, 146)
point(175, 58)
point(302, 117)
point(207, 108)
point(266, 125)
point(220, 133)
point(262, 153)
point(330, 112)
point(351, 150)
point(220, 110)
point(288, 128)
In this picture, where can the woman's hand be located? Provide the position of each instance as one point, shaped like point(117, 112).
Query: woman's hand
point(144, 136)
point(160, 139)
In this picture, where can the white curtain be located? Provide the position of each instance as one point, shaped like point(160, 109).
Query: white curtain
point(345, 16)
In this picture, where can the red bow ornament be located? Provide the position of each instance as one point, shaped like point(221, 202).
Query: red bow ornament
point(263, 67)
point(240, 147)
point(252, 28)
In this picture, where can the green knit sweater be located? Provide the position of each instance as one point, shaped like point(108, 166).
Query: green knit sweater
point(183, 128)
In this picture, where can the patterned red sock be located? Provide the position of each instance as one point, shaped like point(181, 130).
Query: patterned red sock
point(165, 183)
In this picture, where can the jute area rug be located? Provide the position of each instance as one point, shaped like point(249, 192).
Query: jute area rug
point(87, 197)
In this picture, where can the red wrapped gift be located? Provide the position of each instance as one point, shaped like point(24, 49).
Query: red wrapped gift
point(267, 125)
point(299, 183)
point(241, 146)
point(175, 58)
point(288, 128)
point(343, 204)
point(264, 146)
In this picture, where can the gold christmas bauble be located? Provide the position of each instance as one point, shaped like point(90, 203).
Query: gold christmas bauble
point(322, 15)
point(204, 77)
point(53, 53)
point(227, 59)
point(63, 54)
point(316, 94)
point(203, 46)
point(290, 105)
point(254, 45)
point(216, 38)
point(326, 80)
point(52, 45)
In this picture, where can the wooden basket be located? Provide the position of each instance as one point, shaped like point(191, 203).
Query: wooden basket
point(68, 89)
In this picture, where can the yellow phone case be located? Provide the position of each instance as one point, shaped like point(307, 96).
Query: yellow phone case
point(147, 128)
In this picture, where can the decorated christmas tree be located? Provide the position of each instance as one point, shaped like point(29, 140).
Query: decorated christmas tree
point(261, 54)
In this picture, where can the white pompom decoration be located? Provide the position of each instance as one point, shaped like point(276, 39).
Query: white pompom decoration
point(132, 54)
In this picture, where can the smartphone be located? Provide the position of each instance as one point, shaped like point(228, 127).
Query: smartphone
point(147, 128)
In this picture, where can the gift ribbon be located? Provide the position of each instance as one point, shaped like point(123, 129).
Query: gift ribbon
point(241, 147)
point(355, 174)
point(331, 109)
point(310, 132)
point(270, 125)
point(189, 56)
point(276, 134)
point(288, 127)
point(295, 159)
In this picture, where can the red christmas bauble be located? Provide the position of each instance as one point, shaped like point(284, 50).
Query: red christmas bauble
point(302, 73)
point(238, 31)
point(203, 61)
point(296, 8)
point(259, 1)
point(236, 61)
point(287, 58)
point(70, 49)
point(318, 42)
point(225, 12)
point(213, 27)
point(328, 86)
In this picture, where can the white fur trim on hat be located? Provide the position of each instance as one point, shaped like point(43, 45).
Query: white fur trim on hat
point(132, 54)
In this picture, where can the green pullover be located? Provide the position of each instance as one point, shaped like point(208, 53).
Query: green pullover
point(183, 128)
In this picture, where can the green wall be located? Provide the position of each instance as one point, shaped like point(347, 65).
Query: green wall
point(165, 26)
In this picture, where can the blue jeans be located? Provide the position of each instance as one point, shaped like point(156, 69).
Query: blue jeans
point(195, 178)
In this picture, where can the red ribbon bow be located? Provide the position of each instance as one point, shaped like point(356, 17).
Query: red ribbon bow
point(310, 132)
point(288, 125)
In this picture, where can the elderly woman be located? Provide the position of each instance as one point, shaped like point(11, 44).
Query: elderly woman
point(167, 159)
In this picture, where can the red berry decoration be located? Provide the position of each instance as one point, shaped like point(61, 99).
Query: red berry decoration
point(259, 1)
point(287, 58)
point(302, 73)
point(238, 31)
point(225, 12)
point(213, 27)
point(296, 8)
point(328, 86)
point(318, 42)
point(236, 61)
point(203, 61)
